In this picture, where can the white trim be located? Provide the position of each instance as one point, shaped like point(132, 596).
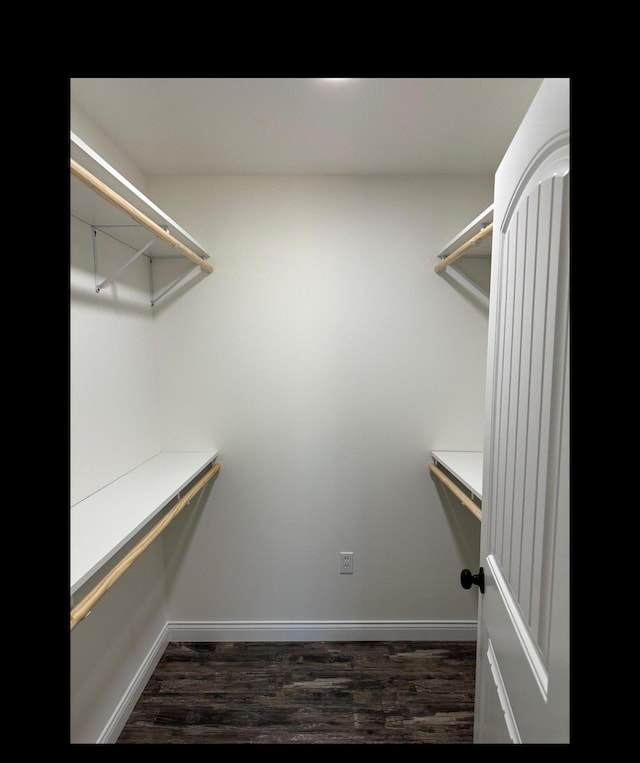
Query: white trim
point(503, 698)
point(529, 646)
point(124, 708)
point(324, 630)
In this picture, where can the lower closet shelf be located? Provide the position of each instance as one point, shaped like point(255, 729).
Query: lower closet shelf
point(102, 523)
point(460, 469)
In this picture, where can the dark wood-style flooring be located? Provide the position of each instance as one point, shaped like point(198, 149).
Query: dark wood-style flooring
point(347, 692)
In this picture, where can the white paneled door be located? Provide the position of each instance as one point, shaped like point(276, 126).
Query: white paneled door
point(522, 679)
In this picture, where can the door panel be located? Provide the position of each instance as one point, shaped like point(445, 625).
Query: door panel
point(522, 629)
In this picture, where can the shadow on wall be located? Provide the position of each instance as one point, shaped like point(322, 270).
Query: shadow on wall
point(465, 528)
point(180, 532)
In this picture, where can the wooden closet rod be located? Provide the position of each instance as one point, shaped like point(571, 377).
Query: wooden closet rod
point(82, 609)
point(461, 250)
point(462, 497)
point(107, 193)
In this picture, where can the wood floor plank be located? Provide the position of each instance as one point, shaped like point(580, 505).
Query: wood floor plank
point(350, 692)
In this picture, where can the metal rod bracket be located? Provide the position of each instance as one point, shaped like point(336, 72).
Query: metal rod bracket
point(95, 228)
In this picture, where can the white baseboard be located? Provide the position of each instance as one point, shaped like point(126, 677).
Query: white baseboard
point(326, 630)
point(121, 714)
point(296, 630)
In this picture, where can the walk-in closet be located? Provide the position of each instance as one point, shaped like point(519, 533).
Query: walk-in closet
point(319, 339)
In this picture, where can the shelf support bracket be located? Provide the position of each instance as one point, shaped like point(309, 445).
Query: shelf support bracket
point(153, 299)
point(179, 279)
point(457, 275)
point(113, 276)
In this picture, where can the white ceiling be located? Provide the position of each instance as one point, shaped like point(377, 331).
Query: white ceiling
point(172, 126)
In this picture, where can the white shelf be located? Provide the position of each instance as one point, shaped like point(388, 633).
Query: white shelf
point(464, 465)
point(92, 209)
point(483, 248)
point(102, 523)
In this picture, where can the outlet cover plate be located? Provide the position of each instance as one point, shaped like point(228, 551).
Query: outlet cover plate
point(346, 562)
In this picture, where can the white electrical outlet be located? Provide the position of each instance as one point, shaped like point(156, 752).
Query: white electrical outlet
point(346, 562)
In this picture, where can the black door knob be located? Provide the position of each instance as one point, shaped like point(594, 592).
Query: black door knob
point(467, 579)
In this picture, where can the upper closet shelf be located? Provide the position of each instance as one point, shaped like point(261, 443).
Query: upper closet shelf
point(464, 467)
point(102, 523)
point(104, 199)
point(474, 240)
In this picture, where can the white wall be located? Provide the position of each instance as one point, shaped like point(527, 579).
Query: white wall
point(113, 376)
point(113, 427)
point(325, 359)
point(113, 399)
point(109, 647)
